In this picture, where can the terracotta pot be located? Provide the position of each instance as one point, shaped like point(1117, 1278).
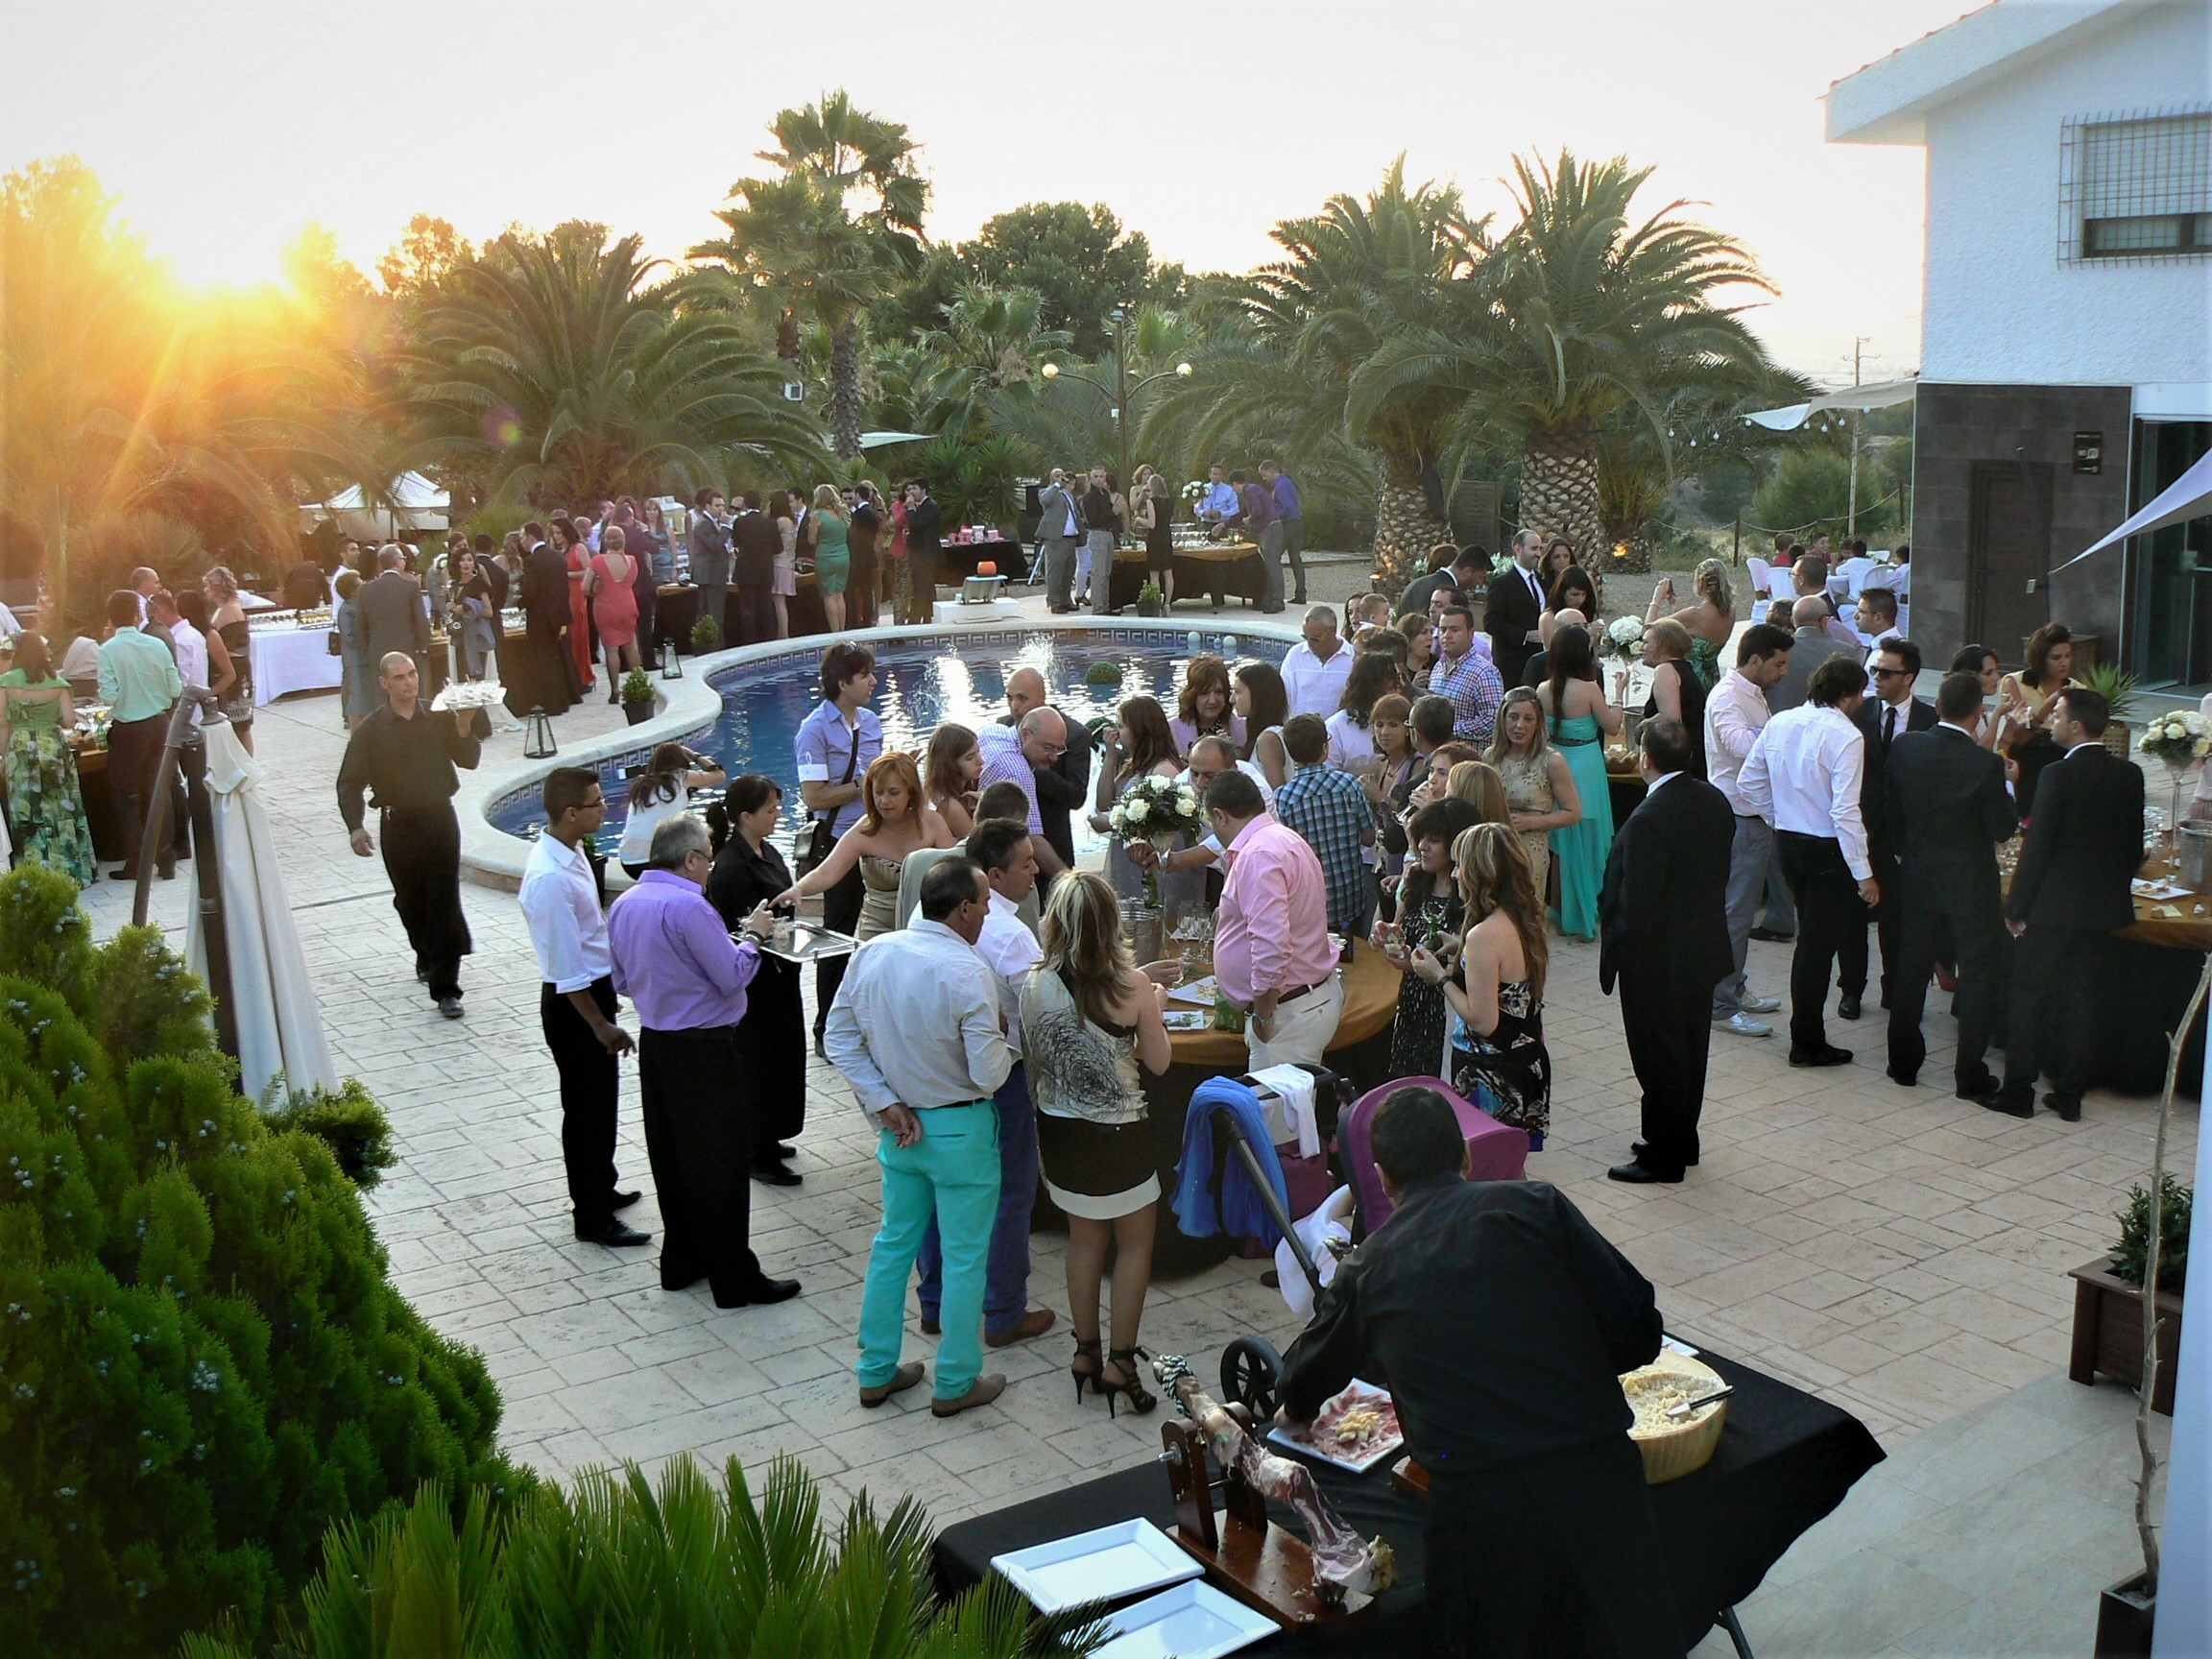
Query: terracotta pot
point(2108, 1332)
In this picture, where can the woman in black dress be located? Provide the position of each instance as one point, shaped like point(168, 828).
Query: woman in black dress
point(772, 1037)
point(1428, 914)
point(1153, 510)
point(1676, 691)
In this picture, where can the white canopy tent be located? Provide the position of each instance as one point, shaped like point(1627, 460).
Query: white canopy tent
point(878, 440)
point(2189, 496)
point(1858, 398)
point(422, 506)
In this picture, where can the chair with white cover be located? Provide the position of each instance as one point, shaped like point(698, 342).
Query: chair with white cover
point(1854, 573)
point(1762, 576)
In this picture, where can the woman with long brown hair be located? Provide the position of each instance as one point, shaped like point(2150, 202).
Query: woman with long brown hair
point(1428, 913)
point(2026, 700)
point(1539, 786)
point(1374, 677)
point(952, 767)
point(1139, 745)
point(661, 791)
point(1263, 704)
point(772, 1036)
point(1203, 708)
point(1497, 986)
point(783, 581)
point(1576, 719)
point(895, 819)
point(1089, 1019)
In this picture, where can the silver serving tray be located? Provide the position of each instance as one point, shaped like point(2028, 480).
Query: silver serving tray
point(806, 942)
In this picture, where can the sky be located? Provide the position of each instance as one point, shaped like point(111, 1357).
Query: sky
point(226, 125)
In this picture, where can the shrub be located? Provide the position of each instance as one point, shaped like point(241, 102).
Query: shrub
point(352, 1125)
point(706, 633)
point(637, 687)
point(2134, 1247)
point(621, 1567)
point(202, 1362)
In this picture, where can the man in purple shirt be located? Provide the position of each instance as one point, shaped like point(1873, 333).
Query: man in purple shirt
point(1260, 513)
point(676, 963)
point(1284, 490)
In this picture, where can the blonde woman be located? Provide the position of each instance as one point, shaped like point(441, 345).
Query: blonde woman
point(895, 819)
point(1153, 512)
point(829, 525)
point(1676, 691)
point(1497, 986)
point(227, 619)
point(1478, 783)
point(1089, 1019)
point(1711, 620)
point(1539, 784)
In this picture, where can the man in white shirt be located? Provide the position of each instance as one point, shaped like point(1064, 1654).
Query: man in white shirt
point(1316, 670)
point(1007, 854)
point(576, 1000)
point(1804, 777)
point(1736, 712)
point(917, 1031)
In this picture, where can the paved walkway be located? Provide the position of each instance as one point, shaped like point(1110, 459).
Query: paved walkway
point(1899, 1252)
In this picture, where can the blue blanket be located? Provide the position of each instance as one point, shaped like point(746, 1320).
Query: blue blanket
point(1241, 1214)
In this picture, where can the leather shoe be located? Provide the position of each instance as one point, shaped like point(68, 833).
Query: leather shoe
point(1827, 1054)
point(1034, 1323)
point(1642, 1175)
point(764, 1292)
point(980, 1392)
point(614, 1233)
point(2067, 1106)
point(821, 1052)
point(1975, 1088)
point(1771, 937)
point(775, 1175)
point(901, 1380)
point(783, 1151)
point(1847, 1005)
point(1637, 1150)
point(931, 1327)
point(2012, 1105)
point(1911, 1082)
point(449, 1006)
point(623, 1200)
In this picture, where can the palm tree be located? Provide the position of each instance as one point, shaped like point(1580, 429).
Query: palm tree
point(554, 367)
point(840, 224)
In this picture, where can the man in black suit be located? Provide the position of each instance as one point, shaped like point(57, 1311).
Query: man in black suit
point(393, 611)
point(710, 540)
point(1944, 813)
point(1882, 719)
point(753, 544)
point(548, 677)
point(2069, 893)
point(1663, 926)
point(1065, 785)
point(1514, 603)
point(924, 547)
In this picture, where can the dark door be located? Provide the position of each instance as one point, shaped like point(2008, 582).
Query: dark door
point(2009, 550)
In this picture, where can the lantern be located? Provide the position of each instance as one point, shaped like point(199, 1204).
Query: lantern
point(670, 667)
point(538, 737)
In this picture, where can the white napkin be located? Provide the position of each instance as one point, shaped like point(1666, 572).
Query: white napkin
point(1333, 1221)
point(1294, 1088)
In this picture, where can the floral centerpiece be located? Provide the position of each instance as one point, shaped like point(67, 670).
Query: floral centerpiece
point(2181, 740)
point(1622, 640)
point(1158, 810)
point(1195, 490)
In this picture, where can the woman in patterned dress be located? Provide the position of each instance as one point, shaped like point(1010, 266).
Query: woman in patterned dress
point(1428, 914)
point(35, 716)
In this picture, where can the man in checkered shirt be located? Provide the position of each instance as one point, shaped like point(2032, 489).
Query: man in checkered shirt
point(1465, 673)
point(1330, 810)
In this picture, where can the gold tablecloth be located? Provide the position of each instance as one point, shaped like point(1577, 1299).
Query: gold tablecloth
point(1370, 1004)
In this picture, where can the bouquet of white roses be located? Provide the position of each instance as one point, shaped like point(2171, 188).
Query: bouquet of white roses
point(1158, 809)
point(1622, 640)
point(2179, 740)
point(1193, 490)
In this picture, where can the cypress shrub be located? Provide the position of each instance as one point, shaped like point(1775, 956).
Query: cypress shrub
point(203, 1364)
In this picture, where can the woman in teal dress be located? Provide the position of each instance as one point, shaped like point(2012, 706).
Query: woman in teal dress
point(1578, 719)
point(832, 553)
point(40, 772)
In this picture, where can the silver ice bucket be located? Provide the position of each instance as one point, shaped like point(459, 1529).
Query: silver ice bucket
point(2193, 854)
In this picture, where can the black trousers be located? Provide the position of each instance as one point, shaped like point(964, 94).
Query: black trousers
point(1669, 1025)
point(1978, 946)
point(133, 766)
point(1829, 910)
point(1852, 958)
point(1552, 1557)
point(589, 1083)
point(840, 914)
point(2059, 977)
point(698, 1120)
point(423, 857)
point(1294, 553)
point(755, 613)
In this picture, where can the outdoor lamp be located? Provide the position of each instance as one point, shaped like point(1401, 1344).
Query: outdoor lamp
point(1050, 371)
point(670, 667)
point(1183, 369)
point(538, 737)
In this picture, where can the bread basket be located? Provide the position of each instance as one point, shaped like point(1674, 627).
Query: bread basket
point(1680, 1448)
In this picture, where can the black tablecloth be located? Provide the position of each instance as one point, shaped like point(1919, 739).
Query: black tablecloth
point(1245, 578)
point(676, 608)
point(957, 560)
point(1785, 1460)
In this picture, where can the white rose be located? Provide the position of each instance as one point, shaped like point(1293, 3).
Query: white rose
point(1137, 812)
point(2202, 747)
point(1188, 801)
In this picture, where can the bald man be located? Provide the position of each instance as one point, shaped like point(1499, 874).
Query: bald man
point(145, 581)
point(1063, 785)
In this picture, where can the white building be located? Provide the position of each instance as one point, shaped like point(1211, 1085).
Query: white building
point(2066, 346)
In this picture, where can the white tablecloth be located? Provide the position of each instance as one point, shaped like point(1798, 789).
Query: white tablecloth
point(292, 660)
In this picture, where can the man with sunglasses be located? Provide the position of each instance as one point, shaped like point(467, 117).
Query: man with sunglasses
point(1884, 718)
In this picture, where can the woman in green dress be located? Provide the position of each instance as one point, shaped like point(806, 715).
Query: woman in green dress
point(36, 713)
point(1578, 719)
point(832, 553)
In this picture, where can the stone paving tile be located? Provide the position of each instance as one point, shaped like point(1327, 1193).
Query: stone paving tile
point(1899, 1251)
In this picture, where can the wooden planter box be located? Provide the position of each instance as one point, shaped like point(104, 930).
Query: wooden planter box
point(2108, 1332)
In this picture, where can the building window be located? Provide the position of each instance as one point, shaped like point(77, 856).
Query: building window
point(2136, 186)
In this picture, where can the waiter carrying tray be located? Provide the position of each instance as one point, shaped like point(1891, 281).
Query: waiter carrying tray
point(1539, 1534)
point(407, 753)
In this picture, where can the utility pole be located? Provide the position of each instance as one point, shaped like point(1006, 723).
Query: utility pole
point(1851, 526)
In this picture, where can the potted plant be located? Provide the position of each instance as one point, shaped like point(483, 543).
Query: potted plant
point(706, 635)
point(2118, 690)
point(1148, 599)
point(636, 697)
point(2128, 1611)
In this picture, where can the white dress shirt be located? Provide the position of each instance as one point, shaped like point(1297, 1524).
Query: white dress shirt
point(1315, 687)
point(567, 929)
point(1803, 776)
point(1011, 951)
point(1736, 712)
point(191, 658)
point(916, 1022)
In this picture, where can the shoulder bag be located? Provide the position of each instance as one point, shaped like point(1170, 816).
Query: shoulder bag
point(821, 836)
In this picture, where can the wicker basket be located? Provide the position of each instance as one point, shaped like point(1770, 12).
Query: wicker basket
point(1670, 1453)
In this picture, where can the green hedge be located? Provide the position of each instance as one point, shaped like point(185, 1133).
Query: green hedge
point(203, 1364)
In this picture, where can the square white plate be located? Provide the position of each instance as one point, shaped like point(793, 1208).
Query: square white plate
point(1189, 1621)
point(1104, 1565)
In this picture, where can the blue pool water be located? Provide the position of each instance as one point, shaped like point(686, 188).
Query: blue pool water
point(922, 682)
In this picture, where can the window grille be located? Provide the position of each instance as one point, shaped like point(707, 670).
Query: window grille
point(2136, 185)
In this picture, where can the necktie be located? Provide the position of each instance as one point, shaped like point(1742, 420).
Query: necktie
point(1888, 727)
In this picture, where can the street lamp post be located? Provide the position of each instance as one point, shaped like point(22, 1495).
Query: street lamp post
point(1120, 392)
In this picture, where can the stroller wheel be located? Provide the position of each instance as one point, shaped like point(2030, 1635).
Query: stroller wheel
point(1250, 1370)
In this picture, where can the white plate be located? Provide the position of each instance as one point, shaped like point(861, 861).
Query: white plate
point(1104, 1565)
point(1197, 991)
point(1355, 1390)
point(1187, 1018)
point(1189, 1621)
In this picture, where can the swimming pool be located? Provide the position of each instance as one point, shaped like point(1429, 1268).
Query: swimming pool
point(922, 681)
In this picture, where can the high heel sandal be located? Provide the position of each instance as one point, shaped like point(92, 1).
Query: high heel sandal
point(1140, 1399)
point(1085, 1377)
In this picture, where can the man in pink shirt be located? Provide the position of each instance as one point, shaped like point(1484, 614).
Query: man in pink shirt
point(1272, 951)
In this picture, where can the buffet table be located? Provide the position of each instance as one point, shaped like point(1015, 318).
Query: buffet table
point(1786, 1459)
point(1212, 569)
point(676, 609)
point(287, 659)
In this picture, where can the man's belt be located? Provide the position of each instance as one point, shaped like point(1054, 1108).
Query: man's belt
point(1284, 996)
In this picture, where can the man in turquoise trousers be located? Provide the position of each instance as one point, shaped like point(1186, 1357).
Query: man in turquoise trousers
point(916, 1031)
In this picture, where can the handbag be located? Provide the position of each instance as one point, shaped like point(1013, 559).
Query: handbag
point(336, 642)
point(821, 837)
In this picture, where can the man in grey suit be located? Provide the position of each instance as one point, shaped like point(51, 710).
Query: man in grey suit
point(711, 560)
point(1810, 644)
point(1057, 527)
point(394, 611)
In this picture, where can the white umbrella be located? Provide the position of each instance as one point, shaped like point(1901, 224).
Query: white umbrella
point(272, 999)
